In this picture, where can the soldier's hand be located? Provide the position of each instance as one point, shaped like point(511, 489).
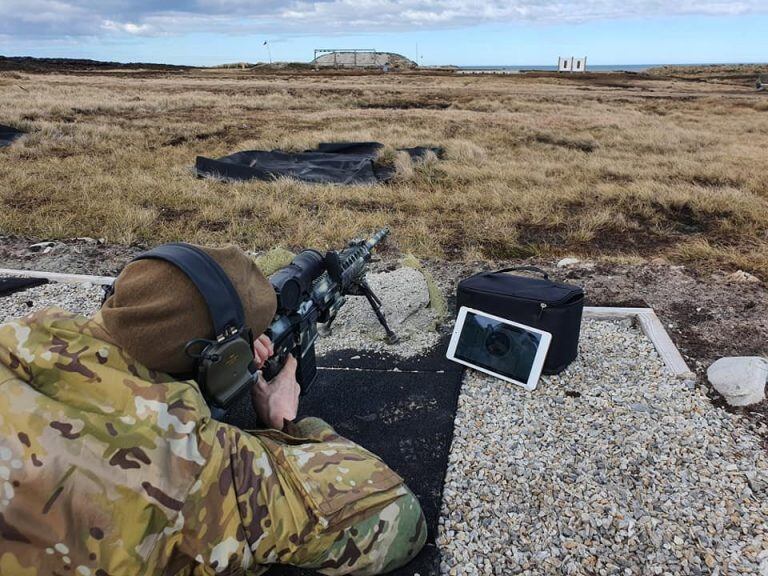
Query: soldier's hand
point(277, 401)
point(262, 350)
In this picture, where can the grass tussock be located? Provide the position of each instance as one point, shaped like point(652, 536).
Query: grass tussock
point(533, 166)
point(272, 260)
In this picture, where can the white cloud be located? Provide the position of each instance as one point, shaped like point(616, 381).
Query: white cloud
point(127, 27)
point(64, 18)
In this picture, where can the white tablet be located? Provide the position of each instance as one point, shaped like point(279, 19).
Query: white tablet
point(502, 348)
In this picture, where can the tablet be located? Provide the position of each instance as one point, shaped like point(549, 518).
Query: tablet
point(502, 348)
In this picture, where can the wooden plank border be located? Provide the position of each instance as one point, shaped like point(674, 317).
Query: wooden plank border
point(653, 329)
point(58, 277)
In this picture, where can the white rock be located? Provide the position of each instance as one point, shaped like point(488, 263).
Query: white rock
point(742, 276)
point(567, 262)
point(764, 567)
point(740, 379)
point(42, 246)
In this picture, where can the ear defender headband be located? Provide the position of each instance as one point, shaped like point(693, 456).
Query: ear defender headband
point(224, 367)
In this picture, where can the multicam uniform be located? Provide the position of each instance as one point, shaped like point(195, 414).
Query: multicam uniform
point(107, 468)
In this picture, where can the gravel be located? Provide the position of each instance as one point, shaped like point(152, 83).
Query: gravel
point(612, 467)
point(81, 298)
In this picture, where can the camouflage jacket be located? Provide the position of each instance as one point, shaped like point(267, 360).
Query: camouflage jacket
point(108, 468)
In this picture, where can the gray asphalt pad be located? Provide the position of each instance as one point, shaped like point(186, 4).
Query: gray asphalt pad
point(405, 417)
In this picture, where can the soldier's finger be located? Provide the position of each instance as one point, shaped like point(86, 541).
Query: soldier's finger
point(264, 339)
point(260, 352)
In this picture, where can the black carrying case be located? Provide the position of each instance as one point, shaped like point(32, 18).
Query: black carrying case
point(539, 302)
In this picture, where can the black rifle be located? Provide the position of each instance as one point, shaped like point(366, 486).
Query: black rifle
point(311, 290)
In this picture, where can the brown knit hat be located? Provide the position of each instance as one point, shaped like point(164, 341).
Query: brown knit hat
point(156, 309)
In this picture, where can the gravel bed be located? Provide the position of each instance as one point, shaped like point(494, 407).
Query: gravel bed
point(612, 467)
point(81, 298)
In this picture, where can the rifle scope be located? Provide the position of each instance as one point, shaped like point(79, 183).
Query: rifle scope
point(293, 282)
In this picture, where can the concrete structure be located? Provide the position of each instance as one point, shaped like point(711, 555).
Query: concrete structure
point(572, 64)
point(360, 58)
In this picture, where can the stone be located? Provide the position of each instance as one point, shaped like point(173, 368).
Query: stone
point(742, 276)
point(740, 379)
point(764, 567)
point(565, 262)
point(43, 247)
point(405, 302)
point(758, 483)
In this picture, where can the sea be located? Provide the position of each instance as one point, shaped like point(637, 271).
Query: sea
point(590, 68)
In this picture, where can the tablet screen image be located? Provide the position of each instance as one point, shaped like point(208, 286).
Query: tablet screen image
point(508, 350)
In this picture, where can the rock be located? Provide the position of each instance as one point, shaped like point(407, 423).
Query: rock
point(405, 302)
point(741, 276)
point(638, 407)
point(565, 262)
point(758, 483)
point(43, 247)
point(740, 379)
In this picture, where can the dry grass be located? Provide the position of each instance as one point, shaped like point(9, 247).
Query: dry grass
point(602, 165)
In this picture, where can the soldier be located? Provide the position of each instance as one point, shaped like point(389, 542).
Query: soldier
point(109, 465)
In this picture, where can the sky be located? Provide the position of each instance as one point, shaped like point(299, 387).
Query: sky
point(433, 32)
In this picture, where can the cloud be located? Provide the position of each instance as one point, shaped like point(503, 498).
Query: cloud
point(73, 18)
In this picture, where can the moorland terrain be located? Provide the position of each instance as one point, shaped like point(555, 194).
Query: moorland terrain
point(602, 165)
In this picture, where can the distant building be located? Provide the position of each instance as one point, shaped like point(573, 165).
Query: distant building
point(360, 58)
point(572, 64)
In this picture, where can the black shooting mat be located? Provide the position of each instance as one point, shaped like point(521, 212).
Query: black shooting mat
point(10, 285)
point(404, 417)
point(329, 163)
point(8, 135)
point(431, 361)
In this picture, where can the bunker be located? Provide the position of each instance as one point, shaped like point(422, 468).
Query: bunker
point(360, 58)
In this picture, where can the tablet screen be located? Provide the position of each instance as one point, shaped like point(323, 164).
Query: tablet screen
point(497, 346)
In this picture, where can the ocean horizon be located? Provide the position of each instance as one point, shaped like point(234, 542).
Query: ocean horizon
point(590, 67)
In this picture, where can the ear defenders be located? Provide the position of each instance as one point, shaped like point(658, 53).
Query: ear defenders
point(224, 366)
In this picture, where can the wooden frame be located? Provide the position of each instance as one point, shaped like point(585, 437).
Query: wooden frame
point(646, 317)
point(653, 329)
point(58, 277)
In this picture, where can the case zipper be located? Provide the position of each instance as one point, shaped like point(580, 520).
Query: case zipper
point(542, 306)
point(563, 300)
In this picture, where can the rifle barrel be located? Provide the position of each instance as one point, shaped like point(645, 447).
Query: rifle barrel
point(376, 238)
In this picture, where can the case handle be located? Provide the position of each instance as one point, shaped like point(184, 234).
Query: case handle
point(523, 269)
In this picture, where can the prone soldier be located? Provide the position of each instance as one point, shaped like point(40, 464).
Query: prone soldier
point(111, 464)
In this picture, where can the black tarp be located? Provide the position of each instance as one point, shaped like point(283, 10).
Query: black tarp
point(8, 135)
point(406, 417)
point(10, 285)
point(329, 163)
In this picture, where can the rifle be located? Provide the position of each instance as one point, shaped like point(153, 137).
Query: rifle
point(311, 290)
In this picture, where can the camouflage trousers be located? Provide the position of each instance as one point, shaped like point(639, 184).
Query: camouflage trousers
point(374, 534)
